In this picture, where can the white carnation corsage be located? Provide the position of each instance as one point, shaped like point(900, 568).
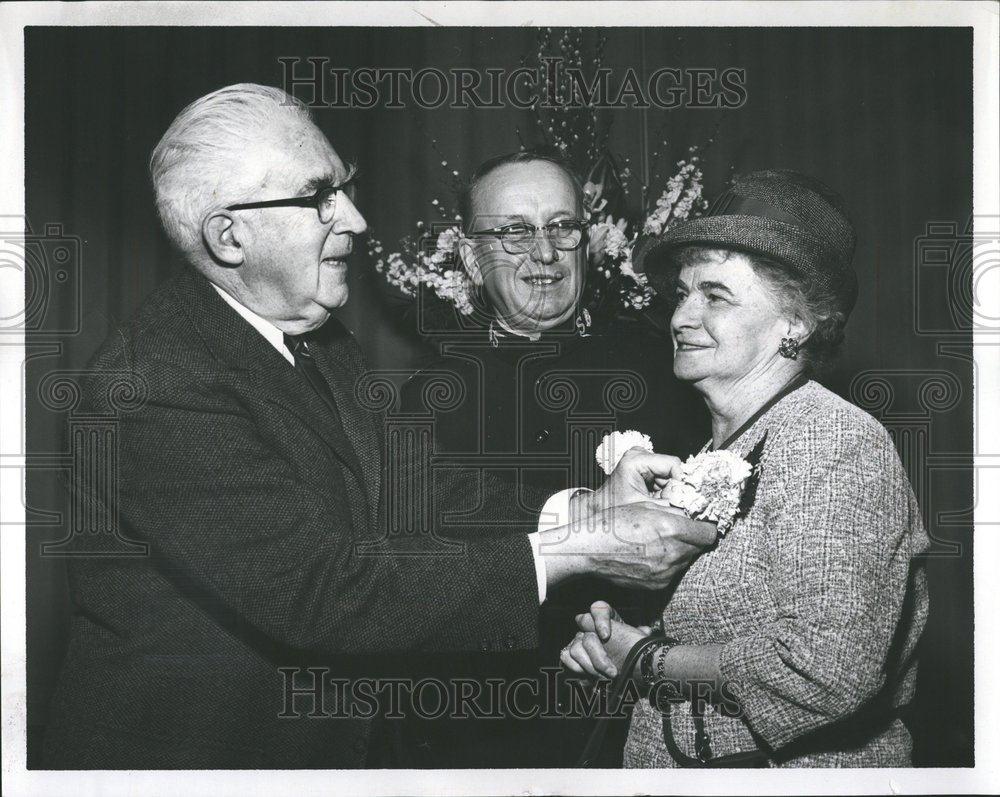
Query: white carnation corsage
point(614, 446)
point(710, 487)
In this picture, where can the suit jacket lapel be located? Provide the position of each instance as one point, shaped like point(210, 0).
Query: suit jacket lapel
point(233, 341)
point(340, 360)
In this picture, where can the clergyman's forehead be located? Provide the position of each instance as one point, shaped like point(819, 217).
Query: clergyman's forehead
point(530, 187)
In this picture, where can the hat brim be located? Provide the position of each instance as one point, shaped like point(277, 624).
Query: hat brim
point(786, 243)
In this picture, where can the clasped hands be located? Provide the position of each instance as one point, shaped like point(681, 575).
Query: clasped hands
point(601, 645)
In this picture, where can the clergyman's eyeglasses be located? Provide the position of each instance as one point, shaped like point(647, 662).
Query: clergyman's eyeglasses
point(519, 238)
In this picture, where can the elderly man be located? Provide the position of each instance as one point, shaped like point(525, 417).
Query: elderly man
point(538, 394)
point(254, 477)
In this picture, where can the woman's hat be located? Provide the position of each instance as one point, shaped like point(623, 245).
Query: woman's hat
point(783, 215)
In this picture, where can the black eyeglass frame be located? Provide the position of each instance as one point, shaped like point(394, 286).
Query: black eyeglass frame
point(499, 232)
point(312, 201)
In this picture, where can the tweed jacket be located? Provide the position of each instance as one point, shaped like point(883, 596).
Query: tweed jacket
point(261, 513)
point(816, 596)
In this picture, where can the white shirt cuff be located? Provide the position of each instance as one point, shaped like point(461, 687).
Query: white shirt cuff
point(555, 513)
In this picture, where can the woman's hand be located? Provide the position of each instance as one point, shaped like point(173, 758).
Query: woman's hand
point(599, 620)
point(586, 655)
point(589, 654)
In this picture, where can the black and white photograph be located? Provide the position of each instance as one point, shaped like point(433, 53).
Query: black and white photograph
point(500, 398)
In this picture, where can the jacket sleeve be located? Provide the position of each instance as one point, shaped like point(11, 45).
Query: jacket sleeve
point(840, 542)
point(225, 511)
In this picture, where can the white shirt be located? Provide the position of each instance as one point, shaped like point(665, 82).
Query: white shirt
point(554, 514)
point(271, 333)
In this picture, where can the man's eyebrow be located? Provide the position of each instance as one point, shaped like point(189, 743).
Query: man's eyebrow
point(502, 219)
point(329, 180)
point(561, 212)
point(524, 219)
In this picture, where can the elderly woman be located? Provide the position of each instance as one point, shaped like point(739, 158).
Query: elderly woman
point(794, 637)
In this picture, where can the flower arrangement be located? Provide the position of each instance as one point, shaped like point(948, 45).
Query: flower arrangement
point(612, 241)
point(580, 132)
point(710, 487)
point(437, 270)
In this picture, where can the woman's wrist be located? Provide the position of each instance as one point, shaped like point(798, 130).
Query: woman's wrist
point(684, 670)
point(650, 668)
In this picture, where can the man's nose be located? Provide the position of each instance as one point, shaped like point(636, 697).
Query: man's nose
point(542, 250)
point(348, 218)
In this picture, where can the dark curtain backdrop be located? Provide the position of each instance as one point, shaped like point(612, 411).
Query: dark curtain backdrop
point(882, 115)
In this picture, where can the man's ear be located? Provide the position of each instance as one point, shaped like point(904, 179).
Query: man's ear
point(467, 254)
point(218, 230)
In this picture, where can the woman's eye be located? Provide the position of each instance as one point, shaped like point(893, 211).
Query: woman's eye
point(714, 297)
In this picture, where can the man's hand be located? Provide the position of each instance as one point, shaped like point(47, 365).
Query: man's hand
point(639, 545)
point(637, 477)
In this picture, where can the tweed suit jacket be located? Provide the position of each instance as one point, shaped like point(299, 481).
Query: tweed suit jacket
point(817, 595)
point(253, 502)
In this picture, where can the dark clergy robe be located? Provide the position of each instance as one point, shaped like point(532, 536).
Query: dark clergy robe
point(532, 413)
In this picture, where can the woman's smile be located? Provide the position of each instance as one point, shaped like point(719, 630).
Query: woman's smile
point(688, 346)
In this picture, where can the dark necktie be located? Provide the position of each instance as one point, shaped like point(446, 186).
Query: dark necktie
point(306, 365)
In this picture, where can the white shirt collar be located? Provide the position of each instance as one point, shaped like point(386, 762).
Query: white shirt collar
point(271, 333)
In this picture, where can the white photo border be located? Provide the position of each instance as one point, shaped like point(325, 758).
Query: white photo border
point(983, 17)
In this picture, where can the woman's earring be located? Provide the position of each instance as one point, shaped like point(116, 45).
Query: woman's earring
point(494, 338)
point(789, 347)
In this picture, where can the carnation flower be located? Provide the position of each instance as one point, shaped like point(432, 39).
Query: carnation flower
point(709, 487)
point(614, 446)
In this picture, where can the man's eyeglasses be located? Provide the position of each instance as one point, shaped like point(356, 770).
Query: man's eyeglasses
point(324, 200)
point(519, 238)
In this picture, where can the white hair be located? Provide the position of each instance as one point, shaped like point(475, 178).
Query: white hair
point(200, 161)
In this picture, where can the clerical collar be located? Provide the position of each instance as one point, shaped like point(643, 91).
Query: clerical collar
point(532, 336)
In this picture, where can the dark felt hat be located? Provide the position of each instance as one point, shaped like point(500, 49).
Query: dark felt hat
point(783, 215)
